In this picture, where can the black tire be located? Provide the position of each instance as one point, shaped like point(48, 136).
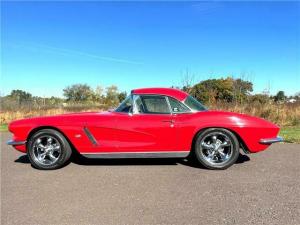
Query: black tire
point(63, 156)
point(232, 150)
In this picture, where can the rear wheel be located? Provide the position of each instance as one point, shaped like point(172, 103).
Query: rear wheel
point(48, 149)
point(216, 148)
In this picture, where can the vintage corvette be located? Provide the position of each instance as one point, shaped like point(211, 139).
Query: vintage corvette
point(149, 123)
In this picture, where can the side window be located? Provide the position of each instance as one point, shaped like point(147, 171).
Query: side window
point(155, 104)
point(178, 107)
point(139, 107)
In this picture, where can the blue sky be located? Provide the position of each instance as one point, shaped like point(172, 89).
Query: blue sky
point(46, 46)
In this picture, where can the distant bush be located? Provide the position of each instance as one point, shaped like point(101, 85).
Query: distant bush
point(228, 90)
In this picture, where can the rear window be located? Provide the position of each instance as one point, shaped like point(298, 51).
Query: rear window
point(178, 107)
point(194, 104)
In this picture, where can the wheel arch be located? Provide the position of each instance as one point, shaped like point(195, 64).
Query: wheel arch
point(242, 143)
point(36, 129)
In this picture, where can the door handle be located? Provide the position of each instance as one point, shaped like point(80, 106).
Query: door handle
point(168, 121)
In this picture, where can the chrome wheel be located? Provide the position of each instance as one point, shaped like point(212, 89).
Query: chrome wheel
point(46, 150)
point(216, 148)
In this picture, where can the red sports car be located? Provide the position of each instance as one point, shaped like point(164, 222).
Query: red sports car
point(149, 123)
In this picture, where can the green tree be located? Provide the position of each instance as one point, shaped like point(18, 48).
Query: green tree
point(20, 95)
point(122, 96)
point(111, 98)
point(78, 93)
point(241, 89)
point(53, 100)
point(228, 89)
point(99, 96)
point(211, 90)
point(280, 96)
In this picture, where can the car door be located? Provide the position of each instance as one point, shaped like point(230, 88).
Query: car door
point(183, 122)
point(148, 128)
point(101, 129)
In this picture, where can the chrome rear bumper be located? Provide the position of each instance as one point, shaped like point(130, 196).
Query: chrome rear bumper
point(14, 143)
point(267, 141)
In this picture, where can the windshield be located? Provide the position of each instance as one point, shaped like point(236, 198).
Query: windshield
point(126, 105)
point(194, 104)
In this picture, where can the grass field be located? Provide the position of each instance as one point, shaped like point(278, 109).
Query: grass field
point(3, 127)
point(290, 134)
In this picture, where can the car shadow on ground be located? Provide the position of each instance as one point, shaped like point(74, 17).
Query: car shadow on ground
point(193, 162)
point(80, 160)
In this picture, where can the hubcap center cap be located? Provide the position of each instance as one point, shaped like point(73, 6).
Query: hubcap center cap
point(48, 150)
point(217, 146)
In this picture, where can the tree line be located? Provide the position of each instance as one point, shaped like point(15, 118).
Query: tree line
point(77, 95)
point(209, 92)
point(231, 90)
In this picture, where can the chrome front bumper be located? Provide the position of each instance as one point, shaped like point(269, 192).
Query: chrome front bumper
point(14, 143)
point(268, 141)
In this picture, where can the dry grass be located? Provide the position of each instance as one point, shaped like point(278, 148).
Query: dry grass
point(281, 114)
point(8, 116)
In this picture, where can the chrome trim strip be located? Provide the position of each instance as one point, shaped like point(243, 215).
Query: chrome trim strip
point(267, 141)
point(90, 136)
point(14, 143)
point(120, 155)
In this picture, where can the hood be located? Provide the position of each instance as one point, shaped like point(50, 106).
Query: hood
point(68, 118)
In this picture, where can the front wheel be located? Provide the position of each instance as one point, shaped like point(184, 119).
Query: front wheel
point(216, 148)
point(48, 149)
